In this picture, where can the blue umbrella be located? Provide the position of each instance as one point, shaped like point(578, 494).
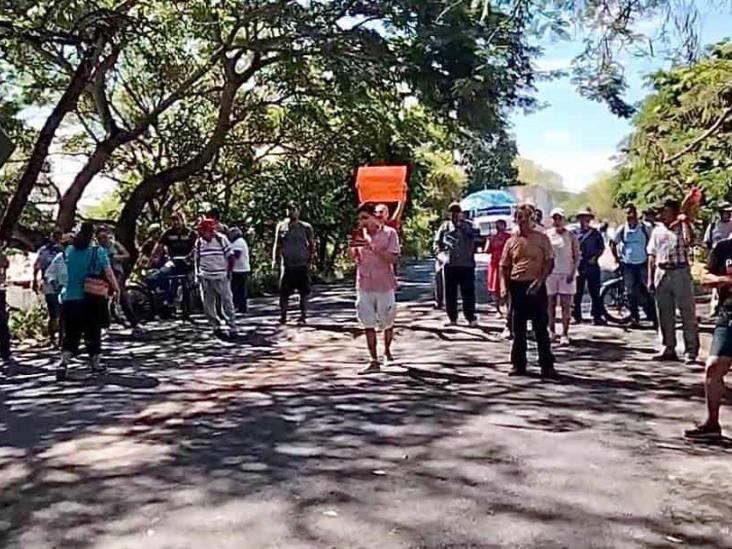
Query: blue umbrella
point(487, 199)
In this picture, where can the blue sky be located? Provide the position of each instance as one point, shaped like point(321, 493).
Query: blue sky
point(578, 138)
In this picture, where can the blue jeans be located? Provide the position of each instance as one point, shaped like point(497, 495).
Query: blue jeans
point(635, 278)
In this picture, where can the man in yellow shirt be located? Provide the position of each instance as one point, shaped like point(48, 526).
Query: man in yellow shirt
point(526, 263)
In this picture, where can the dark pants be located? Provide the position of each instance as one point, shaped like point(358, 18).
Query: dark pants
point(636, 289)
point(589, 275)
point(4, 329)
point(179, 269)
point(239, 291)
point(463, 277)
point(83, 317)
point(527, 307)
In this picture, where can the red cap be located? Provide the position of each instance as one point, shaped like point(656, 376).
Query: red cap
point(207, 224)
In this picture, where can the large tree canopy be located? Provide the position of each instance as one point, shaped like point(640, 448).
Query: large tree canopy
point(222, 91)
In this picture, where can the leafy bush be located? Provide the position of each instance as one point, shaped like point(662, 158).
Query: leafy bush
point(30, 324)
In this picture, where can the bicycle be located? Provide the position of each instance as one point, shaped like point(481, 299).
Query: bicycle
point(615, 305)
point(149, 300)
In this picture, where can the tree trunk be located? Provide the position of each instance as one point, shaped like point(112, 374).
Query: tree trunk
point(115, 140)
point(161, 181)
point(38, 156)
point(70, 199)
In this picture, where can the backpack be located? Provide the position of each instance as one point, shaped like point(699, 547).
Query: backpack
point(621, 234)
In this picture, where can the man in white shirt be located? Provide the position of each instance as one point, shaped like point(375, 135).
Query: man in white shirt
point(561, 284)
point(214, 264)
point(241, 269)
point(669, 271)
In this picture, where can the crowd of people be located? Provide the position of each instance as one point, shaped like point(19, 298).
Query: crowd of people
point(535, 268)
point(532, 270)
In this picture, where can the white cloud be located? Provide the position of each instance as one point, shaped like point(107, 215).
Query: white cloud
point(578, 167)
point(556, 137)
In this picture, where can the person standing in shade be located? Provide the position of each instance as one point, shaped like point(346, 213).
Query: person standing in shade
point(241, 269)
point(561, 283)
point(293, 249)
point(629, 247)
point(718, 230)
point(456, 241)
point(177, 243)
point(119, 259)
point(5, 353)
point(375, 249)
point(85, 313)
point(592, 246)
point(718, 275)
point(214, 262)
point(526, 264)
point(494, 247)
point(45, 256)
point(670, 273)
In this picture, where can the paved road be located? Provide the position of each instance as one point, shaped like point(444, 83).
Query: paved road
point(276, 442)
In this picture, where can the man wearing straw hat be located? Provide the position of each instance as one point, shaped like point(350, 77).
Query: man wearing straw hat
point(592, 246)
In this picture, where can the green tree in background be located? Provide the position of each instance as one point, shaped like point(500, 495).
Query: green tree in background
point(599, 196)
point(683, 134)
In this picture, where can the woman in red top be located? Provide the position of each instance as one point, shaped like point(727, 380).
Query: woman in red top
point(494, 247)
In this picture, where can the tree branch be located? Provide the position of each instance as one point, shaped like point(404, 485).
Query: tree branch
point(696, 142)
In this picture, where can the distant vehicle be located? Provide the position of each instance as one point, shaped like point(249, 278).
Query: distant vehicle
point(487, 207)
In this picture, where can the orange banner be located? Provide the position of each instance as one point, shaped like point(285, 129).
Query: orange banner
point(382, 184)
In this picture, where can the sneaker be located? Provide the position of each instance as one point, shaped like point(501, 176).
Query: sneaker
point(302, 320)
point(387, 361)
point(577, 320)
point(599, 322)
point(283, 320)
point(666, 356)
point(473, 324)
point(506, 334)
point(549, 373)
point(564, 341)
point(138, 333)
point(450, 323)
point(704, 432)
point(517, 372)
point(692, 361)
point(372, 368)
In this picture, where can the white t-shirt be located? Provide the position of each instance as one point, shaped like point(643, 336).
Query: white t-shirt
point(240, 249)
point(562, 247)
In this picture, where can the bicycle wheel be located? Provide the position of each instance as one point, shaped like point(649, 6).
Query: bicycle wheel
point(614, 302)
point(141, 303)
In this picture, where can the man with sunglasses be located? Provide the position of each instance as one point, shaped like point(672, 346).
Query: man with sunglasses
point(375, 249)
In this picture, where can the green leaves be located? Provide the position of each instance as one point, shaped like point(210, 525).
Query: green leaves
point(683, 133)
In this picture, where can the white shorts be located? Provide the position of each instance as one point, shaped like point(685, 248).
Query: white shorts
point(376, 310)
point(557, 284)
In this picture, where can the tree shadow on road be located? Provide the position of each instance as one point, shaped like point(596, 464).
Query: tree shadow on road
point(275, 434)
